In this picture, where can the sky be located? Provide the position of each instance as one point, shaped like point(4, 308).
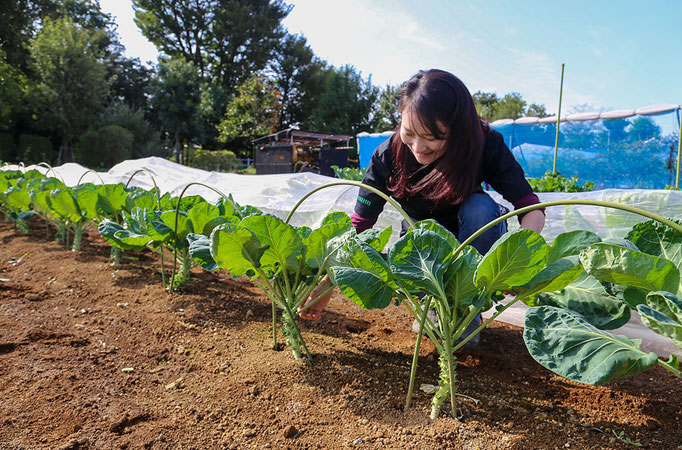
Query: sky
point(622, 54)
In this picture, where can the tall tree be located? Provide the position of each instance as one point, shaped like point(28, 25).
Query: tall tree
point(253, 112)
point(511, 106)
point(295, 69)
point(175, 101)
point(226, 40)
point(347, 102)
point(72, 88)
point(387, 116)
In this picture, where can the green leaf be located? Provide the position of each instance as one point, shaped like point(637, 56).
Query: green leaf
point(419, 261)
point(336, 217)
point(667, 303)
point(112, 199)
point(64, 204)
point(376, 238)
point(660, 323)
point(621, 265)
point(440, 230)
point(364, 288)
point(316, 244)
point(200, 250)
point(108, 230)
point(570, 244)
point(554, 277)
point(563, 342)
point(512, 261)
point(587, 297)
point(236, 249)
point(200, 218)
point(87, 197)
point(284, 245)
point(459, 277)
point(658, 239)
point(179, 234)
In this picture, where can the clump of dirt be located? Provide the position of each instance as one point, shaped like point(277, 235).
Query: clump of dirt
point(94, 357)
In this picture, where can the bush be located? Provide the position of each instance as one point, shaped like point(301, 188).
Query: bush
point(34, 149)
point(555, 182)
point(8, 149)
point(105, 147)
point(146, 140)
point(211, 160)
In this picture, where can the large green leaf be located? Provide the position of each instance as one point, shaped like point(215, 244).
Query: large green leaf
point(419, 261)
point(336, 217)
point(512, 261)
point(459, 277)
point(621, 265)
point(570, 244)
point(201, 218)
point(440, 230)
point(200, 251)
point(236, 249)
point(658, 239)
point(284, 244)
point(565, 343)
point(17, 199)
point(316, 244)
point(554, 277)
point(65, 205)
point(112, 200)
point(108, 230)
point(178, 237)
point(364, 288)
point(660, 323)
point(587, 297)
point(87, 197)
point(376, 238)
point(667, 303)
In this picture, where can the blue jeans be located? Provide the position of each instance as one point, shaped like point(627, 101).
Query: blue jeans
point(474, 213)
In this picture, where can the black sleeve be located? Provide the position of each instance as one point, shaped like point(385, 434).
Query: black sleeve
point(369, 204)
point(501, 170)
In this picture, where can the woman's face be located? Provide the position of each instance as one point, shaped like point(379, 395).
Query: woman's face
point(424, 146)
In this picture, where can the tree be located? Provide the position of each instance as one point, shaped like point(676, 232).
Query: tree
point(294, 68)
point(72, 88)
point(511, 106)
point(175, 99)
point(387, 116)
point(225, 40)
point(13, 92)
point(253, 112)
point(644, 129)
point(346, 104)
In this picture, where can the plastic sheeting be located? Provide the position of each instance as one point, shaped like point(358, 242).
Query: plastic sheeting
point(277, 194)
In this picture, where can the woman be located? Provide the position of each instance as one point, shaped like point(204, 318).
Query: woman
point(434, 167)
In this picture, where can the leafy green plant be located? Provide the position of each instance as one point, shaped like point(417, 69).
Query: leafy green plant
point(286, 262)
point(349, 173)
point(459, 287)
point(555, 182)
point(568, 333)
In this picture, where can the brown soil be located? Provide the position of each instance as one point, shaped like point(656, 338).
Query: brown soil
point(92, 357)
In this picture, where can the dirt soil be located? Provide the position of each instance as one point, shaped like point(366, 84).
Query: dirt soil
point(93, 357)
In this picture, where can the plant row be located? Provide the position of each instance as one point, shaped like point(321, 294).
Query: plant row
point(578, 288)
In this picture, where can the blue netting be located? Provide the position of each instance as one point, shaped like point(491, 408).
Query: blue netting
point(632, 153)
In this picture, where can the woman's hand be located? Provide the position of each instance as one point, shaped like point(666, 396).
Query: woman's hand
point(314, 312)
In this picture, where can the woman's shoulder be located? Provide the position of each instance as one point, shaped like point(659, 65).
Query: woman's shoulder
point(493, 138)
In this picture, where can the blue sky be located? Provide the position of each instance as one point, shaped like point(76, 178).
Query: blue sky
point(619, 54)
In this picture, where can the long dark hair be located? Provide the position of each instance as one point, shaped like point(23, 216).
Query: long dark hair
point(438, 96)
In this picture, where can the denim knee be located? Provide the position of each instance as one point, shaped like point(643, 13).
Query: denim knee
point(476, 212)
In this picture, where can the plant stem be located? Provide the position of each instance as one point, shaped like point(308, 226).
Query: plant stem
point(451, 369)
point(274, 326)
point(670, 368)
point(415, 356)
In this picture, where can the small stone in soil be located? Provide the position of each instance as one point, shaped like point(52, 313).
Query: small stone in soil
point(290, 432)
point(358, 441)
point(33, 297)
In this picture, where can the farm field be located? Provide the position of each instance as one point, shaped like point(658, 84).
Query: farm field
point(96, 358)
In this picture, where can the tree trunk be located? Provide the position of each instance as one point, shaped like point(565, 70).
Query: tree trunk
point(177, 148)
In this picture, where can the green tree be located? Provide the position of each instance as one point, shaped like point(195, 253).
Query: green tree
point(347, 102)
point(643, 129)
point(387, 116)
point(253, 112)
point(511, 106)
point(175, 101)
point(145, 138)
point(295, 69)
point(67, 60)
point(227, 41)
point(13, 92)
